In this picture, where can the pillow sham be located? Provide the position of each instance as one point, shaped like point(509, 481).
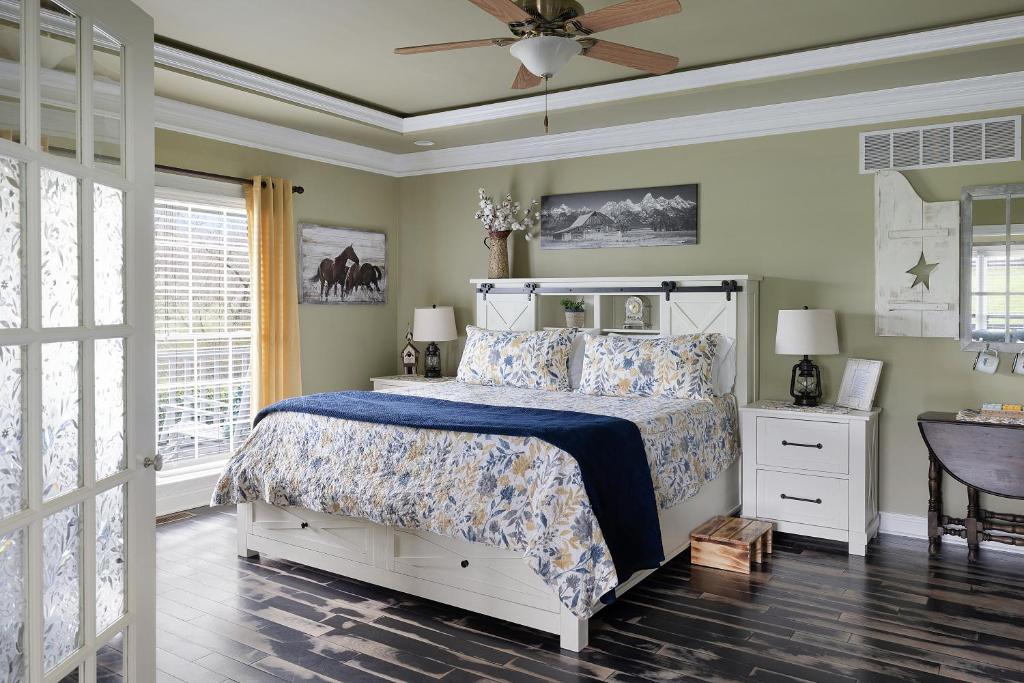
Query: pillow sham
point(578, 352)
point(528, 360)
point(723, 365)
point(673, 367)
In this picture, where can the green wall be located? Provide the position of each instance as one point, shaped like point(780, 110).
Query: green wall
point(342, 346)
point(791, 208)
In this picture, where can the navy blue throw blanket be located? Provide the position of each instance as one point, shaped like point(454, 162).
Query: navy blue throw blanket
point(609, 450)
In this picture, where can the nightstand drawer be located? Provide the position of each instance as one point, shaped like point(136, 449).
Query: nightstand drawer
point(802, 498)
point(803, 444)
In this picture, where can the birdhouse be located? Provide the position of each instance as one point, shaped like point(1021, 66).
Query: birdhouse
point(410, 355)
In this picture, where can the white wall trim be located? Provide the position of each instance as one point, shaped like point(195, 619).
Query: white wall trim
point(922, 43)
point(839, 56)
point(211, 69)
point(239, 130)
point(949, 98)
point(985, 93)
point(912, 526)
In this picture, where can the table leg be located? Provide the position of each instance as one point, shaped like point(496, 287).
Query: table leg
point(973, 512)
point(934, 504)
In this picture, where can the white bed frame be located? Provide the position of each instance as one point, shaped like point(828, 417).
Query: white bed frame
point(493, 581)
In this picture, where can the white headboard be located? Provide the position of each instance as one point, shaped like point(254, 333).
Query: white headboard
point(682, 304)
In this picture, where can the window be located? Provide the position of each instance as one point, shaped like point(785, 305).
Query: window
point(202, 309)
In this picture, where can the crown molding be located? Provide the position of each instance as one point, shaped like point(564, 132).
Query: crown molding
point(968, 36)
point(187, 118)
point(950, 98)
point(211, 69)
point(985, 93)
point(922, 43)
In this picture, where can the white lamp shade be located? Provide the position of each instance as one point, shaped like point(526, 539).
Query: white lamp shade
point(806, 332)
point(545, 55)
point(434, 324)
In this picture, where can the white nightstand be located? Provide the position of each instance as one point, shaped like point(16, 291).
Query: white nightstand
point(400, 381)
point(813, 472)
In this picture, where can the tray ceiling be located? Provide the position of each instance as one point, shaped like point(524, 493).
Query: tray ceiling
point(346, 45)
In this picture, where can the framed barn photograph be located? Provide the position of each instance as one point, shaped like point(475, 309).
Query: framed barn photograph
point(642, 217)
point(342, 265)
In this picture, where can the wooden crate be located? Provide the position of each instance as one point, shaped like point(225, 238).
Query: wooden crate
point(731, 543)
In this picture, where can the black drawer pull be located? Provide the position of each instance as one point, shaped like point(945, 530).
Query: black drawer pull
point(304, 525)
point(802, 445)
point(464, 563)
point(806, 500)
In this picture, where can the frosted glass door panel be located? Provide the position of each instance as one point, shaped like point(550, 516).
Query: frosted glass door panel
point(62, 406)
point(60, 249)
point(11, 262)
point(108, 268)
point(110, 560)
point(110, 407)
point(12, 453)
point(62, 585)
point(12, 607)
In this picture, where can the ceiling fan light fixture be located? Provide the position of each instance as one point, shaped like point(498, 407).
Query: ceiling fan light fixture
point(545, 56)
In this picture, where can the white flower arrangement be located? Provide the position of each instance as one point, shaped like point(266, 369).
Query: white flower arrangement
point(508, 215)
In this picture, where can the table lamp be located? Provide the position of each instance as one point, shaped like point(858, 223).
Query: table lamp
point(433, 324)
point(803, 332)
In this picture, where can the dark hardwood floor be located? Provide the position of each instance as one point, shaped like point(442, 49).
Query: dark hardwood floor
point(814, 614)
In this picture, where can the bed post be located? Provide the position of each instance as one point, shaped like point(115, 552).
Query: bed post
point(244, 517)
point(573, 632)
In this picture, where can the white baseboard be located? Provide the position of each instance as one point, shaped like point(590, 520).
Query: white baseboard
point(184, 493)
point(912, 526)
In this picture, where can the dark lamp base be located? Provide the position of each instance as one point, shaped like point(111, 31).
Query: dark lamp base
point(432, 361)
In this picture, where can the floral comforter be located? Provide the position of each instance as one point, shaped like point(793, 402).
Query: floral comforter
point(517, 493)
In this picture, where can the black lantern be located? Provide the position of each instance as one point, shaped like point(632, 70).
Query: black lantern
point(432, 325)
point(805, 383)
point(803, 332)
point(432, 361)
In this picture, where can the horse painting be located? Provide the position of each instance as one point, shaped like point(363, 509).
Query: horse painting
point(353, 276)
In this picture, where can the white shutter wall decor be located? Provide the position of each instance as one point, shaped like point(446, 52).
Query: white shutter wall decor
point(917, 262)
point(203, 330)
point(960, 143)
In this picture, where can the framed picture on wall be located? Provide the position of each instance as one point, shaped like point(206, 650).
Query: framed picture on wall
point(641, 217)
point(342, 265)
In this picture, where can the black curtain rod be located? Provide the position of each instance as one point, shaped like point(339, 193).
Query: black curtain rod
point(668, 287)
point(297, 189)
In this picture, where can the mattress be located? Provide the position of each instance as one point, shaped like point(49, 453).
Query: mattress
point(517, 493)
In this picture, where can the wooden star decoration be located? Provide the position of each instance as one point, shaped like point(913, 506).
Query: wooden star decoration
point(922, 272)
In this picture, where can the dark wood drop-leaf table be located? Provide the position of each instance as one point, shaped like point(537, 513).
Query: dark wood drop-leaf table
point(984, 456)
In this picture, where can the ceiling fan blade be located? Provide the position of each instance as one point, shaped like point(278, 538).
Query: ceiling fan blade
point(505, 10)
point(525, 79)
point(625, 13)
point(457, 45)
point(633, 57)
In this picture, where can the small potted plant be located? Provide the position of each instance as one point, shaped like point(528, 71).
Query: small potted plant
point(573, 312)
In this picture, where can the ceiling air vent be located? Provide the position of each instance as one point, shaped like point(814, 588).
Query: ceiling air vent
point(951, 144)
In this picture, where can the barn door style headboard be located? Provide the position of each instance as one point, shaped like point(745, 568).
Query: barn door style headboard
point(727, 304)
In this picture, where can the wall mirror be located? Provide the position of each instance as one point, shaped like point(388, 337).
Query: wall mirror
point(992, 268)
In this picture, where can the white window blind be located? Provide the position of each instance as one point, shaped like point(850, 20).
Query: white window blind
point(203, 335)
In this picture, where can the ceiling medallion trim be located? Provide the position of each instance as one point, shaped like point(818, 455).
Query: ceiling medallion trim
point(950, 98)
point(963, 37)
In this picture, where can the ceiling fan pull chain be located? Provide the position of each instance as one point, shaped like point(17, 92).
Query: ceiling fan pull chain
point(545, 105)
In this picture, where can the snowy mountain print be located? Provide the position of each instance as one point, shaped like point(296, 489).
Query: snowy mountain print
point(656, 216)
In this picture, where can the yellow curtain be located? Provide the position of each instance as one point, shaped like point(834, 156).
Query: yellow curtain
point(276, 373)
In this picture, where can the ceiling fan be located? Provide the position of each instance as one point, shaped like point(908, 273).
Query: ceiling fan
point(546, 34)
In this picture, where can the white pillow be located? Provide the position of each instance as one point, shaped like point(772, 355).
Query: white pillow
point(723, 367)
point(578, 353)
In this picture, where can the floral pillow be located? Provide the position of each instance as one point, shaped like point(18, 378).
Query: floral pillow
point(673, 367)
point(529, 360)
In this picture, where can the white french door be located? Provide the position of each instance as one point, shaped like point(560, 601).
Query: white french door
point(76, 341)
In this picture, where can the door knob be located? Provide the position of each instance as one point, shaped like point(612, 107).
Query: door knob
point(156, 462)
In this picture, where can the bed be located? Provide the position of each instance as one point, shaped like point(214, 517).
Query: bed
point(494, 523)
